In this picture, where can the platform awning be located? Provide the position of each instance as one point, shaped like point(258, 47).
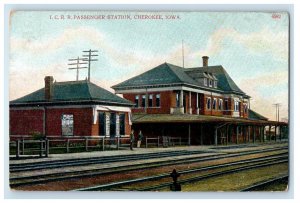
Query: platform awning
point(188, 118)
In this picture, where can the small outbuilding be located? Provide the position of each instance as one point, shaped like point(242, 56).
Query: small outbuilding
point(73, 108)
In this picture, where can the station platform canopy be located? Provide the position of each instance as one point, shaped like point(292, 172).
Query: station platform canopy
point(188, 118)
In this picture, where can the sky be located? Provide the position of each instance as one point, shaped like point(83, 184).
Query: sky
point(251, 46)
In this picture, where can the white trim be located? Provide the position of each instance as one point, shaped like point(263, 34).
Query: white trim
point(236, 114)
point(112, 108)
point(155, 89)
point(165, 89)
point(201, 91)
point(97, 108)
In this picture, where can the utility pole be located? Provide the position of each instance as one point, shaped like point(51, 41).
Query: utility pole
point(89, 59)
point(277, 105)
point(182, 55)
point(77, 63)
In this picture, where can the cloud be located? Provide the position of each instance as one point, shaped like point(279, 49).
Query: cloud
point(26, 81)
point(23, 70)
point(263, 41)
point(262, 102)
point(30, 78)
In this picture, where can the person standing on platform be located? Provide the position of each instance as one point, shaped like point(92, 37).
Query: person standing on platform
point(140, 139)
point(131, 139)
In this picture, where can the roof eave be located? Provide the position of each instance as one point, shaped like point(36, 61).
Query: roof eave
point(85, 102)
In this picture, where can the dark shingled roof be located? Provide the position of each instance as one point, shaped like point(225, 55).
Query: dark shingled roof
point(188, 118)
point(225, 82)
point(256, 116)
point(167, 74)
point(163, 74)
point(73, 91)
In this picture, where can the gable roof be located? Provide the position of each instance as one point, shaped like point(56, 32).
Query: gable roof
point(168, 74)
point(73, 91)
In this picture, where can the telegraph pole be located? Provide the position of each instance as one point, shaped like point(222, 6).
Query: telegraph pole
point(77, 63)
point(277, 105)
point(182, 55)
point(89, 58)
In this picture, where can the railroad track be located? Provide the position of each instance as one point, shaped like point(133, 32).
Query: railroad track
point(110, 159)
point(263, 184)
point(96, 160)
point(38, 179)
point(226, 168)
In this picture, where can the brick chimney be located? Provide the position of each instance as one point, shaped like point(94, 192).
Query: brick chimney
point(205, 60)
point(48, 88)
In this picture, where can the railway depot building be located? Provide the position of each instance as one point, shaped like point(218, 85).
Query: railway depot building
point(75, 108)
point(202, 105)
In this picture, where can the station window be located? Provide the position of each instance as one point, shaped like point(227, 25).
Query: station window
point(136, 101)
point(157, 100)
point(150, 100)
point(143, 100)
point(220, 104)
point(122, 123)
point(236, 105)
point(102, 122)
point(67, 124)
point(112, 124)
point(208, 102)
point(215, 104)
point(226, 105)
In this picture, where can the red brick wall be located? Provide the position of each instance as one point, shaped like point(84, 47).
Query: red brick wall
point(83, 120)
point(211, 111)
point(24, 122)
point(194, 103)
point(95, 128)
point(166, 100)
point(127, 126)
point(230, 107)
point(243, 113)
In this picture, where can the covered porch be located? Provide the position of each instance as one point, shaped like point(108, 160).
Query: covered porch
point(210, 130)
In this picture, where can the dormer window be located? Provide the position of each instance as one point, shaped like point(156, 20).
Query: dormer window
point(205, 81)
point(215, 84)
point(210, 83)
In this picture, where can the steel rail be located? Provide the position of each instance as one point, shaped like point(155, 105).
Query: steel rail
point(264, 183)
point(38, 179)
point(111, 159)
point(165, 175)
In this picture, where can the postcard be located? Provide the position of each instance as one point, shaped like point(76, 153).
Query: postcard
point(148, 101)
